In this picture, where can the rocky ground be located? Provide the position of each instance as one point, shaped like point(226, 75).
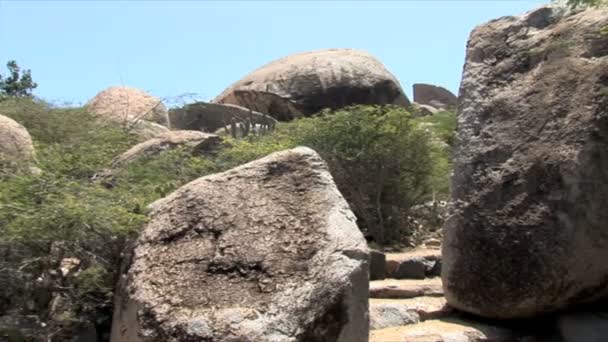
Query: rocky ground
point(408, 305)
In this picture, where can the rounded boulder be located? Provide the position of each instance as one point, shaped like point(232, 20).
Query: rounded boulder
point(128, 105)
point(305, 83)
point(15, 142)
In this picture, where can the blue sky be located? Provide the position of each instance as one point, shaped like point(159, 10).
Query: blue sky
point(77, 48)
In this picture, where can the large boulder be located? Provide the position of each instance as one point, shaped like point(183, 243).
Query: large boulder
point(16, 148)
point(127, 106)
point(268, 251)
point(528, 234)
point(305, 83)
point(210, 117)
point(434, 96)
point(192, 140)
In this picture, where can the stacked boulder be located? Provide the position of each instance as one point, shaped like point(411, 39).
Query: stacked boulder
point(268, 251)
point(303, 84)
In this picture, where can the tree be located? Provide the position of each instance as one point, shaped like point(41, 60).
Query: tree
point(17, 83)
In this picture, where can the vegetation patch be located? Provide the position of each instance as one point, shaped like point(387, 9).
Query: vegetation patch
point(383, 160)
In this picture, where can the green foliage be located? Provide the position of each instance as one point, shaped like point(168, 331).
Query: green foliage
point(442, 128)
point(442, 125)
point(93, 281)
point(17, 83)
point(382, 159)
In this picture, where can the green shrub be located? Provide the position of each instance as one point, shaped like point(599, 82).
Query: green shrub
point(382, 159)
point(64, 206)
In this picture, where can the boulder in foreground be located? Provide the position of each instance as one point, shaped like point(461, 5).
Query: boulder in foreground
point(529, 233)
point(268, 251)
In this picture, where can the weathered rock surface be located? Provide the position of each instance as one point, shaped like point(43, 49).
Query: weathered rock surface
point(34, 302)
point(127, 105)
point(268, 251)
point(444, 330)
point(405, 288)
point(210, 117)
point(434, 96)
point(584, 326)
point(529, 233)
point(424, 110)
point(147, 129)
point(417, 309)
point(195, 141)
point(305, 83)
point(15, 143)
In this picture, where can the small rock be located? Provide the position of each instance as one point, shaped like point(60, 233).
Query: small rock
point(303, 84)
point(406, 288)
point(391, 315)
point(127, 105)
point(414, 268)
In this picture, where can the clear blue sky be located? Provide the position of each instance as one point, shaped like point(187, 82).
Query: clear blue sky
point(76, 48)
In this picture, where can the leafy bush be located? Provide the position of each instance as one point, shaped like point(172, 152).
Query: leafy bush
point(579, 3)
point(383, 160)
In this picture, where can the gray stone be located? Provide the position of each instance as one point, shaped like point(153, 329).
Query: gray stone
point(424, 110)
point(16, 147)
point(268, 251)
point(413, 268)
point(434, 96)
point(305, 83)
point(584, 327)
point(528, 233)
point(194, 141)
point(391, 315)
